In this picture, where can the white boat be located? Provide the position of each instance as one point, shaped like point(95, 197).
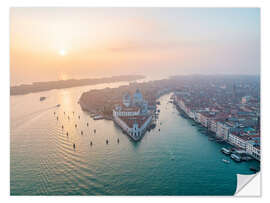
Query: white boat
point(235, 157)
point(225, 151)
point(98, 117)
point(226, 161)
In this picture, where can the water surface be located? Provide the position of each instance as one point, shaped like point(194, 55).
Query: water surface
point(177, 160)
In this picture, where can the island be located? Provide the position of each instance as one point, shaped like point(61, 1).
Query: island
point(44, 86)
point(102, 102)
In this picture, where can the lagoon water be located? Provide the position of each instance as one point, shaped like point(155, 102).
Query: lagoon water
point(177, 160)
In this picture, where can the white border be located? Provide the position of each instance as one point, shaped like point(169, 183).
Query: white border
point(4, 12)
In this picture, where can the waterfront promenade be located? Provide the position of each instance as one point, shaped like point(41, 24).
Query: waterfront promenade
point(222, 131)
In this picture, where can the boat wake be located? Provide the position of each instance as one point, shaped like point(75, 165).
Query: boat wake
point(24, 119)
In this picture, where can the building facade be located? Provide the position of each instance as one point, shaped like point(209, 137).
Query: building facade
point(133, 116)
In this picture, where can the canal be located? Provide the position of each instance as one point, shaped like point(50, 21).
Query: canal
point(177, 160)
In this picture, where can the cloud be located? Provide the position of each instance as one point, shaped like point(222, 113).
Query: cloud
point(133, 46)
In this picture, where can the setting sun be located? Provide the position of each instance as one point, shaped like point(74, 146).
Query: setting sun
point(62, 52)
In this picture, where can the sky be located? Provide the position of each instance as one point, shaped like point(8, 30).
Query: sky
point(62, 43)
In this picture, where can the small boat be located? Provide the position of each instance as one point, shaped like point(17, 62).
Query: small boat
point(254, 169)
point(118, 140)
point(42, 98)
point(211, 139)
point(202, 130)
point(235, 157)
point(107, 141)
point(91, 143)
point(98, 117)
point(87, 124)
point(152, 126)
point(58, 105)
point(220, 140)
point(226, 161)
point(225, 151)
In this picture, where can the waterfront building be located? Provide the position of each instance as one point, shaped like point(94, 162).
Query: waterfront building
point(237, 140)
point(202, 119)
point(223, 130)
point(232, 117)
point(249, 143)
point(133, 115)
point(191, 113)
point(134, 126)
point(213, 125)
point(253, 149)
point(122, 110)
point(205, 117)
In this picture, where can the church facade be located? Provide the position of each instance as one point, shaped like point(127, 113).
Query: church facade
point(132, 115)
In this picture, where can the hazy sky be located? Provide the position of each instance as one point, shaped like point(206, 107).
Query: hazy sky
point(62, 43)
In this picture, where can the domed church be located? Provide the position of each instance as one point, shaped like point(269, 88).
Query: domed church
point(133, 115)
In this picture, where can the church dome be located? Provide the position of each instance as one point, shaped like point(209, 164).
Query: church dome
point(126, 99)
point(137, 97)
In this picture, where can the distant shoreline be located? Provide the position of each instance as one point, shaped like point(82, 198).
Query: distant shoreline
point(60, 84)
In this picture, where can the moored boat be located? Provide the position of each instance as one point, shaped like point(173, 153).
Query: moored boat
point(254, 169)
point(42, 98)
point(235, 157)
point(98, 117)
point(225, 151)
point(226, 161)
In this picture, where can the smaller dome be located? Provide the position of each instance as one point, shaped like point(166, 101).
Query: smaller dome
point(126, 96)
point(126, 99)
